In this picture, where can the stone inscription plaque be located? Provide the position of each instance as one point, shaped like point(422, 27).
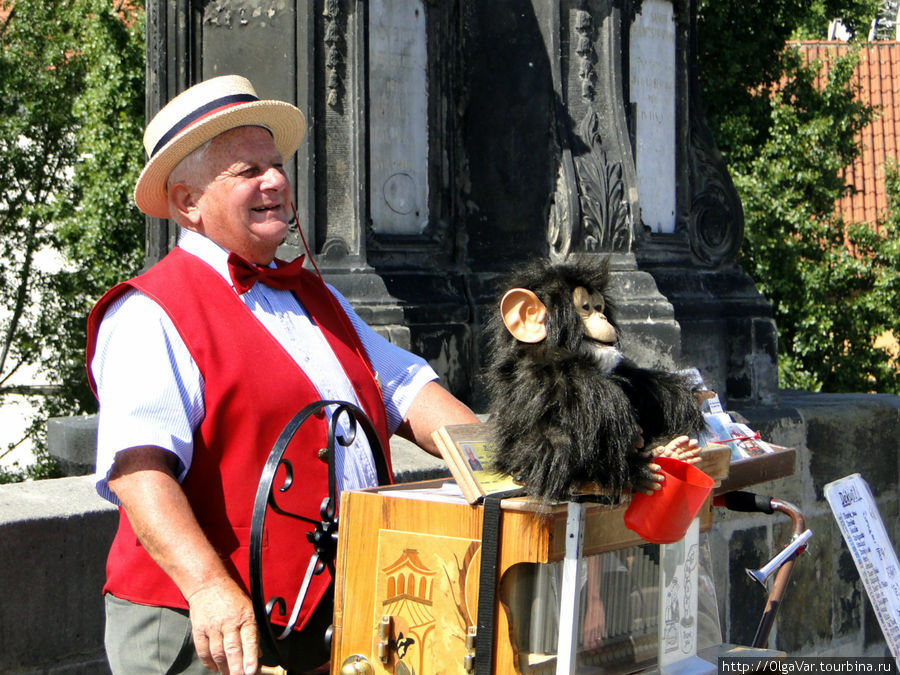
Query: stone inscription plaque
point(398, 132)
point(652, 79)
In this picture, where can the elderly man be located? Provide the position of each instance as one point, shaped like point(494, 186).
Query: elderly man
point(198, 368)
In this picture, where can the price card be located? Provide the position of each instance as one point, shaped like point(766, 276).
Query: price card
point(854, 508)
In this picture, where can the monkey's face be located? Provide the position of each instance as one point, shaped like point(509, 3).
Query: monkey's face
point(590, 307)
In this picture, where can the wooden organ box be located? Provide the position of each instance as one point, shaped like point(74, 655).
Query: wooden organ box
point(408, 570)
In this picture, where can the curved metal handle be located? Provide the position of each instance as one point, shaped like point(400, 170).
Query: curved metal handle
point(782, 564)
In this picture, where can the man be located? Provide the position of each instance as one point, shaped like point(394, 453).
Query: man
point(198, 368)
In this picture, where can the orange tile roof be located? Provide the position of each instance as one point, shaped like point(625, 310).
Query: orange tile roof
point(878, 76)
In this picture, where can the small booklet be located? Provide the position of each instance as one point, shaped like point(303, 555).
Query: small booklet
point(465, 448)
point(721, 429)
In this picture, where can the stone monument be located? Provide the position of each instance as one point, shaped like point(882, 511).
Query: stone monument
point(452, 139)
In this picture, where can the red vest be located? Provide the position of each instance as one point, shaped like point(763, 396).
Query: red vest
point(252, 389)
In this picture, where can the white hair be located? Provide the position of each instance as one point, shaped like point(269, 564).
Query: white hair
point(187, 170)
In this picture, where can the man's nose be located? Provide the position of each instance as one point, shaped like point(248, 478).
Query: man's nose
point(274, 179)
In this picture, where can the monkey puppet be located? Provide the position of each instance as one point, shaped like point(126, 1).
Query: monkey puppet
point(567, 407)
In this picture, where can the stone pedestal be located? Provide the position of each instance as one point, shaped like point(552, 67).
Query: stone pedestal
point(727, 331)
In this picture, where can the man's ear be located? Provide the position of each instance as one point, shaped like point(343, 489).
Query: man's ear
point(524, 315)
point(183, 207)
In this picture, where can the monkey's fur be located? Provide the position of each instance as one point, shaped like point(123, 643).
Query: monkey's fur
point(566, 412)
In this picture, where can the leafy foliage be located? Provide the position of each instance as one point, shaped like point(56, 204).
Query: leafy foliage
point(833, 285)
point(71, 116)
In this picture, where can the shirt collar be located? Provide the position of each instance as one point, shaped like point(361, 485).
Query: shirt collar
point(207, 250)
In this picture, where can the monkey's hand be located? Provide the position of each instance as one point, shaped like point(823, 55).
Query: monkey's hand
point(647, 476)
point(683, 448)
point(639, 438)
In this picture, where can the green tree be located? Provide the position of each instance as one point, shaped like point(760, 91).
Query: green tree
point(786, 138)
point(71, 114)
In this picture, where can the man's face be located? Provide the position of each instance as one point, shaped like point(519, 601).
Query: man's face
point(245, 205)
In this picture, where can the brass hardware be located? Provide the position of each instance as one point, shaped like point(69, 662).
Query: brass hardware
point(471, 637)
point(323, 454)
point(384, 638)
point(471, 640)
point(357, 664)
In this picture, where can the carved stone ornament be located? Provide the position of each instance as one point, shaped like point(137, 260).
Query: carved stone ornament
point(334, 59)
point(716, 224)
point(598, 221)
point(589, 211)
point(229, 14)
point(584, 28)
point(604, 211)
point(562, 222)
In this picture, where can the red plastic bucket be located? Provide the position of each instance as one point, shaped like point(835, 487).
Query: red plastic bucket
point(664, 516)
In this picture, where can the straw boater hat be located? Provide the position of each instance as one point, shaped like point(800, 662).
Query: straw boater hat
point(200, 113)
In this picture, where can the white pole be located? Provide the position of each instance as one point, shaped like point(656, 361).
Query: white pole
point(570, 594)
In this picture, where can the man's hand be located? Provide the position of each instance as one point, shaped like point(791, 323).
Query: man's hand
point(224, 628)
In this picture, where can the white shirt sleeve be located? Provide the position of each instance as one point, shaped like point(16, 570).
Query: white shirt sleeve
point(150, 389)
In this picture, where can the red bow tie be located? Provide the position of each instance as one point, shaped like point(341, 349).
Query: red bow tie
point(244, 274)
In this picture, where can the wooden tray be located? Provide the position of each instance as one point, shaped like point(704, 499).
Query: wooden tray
point(760, 469)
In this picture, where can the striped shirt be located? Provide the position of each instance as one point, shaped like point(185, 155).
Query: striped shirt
point(151, 391)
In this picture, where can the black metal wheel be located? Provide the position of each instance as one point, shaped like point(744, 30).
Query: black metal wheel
point(322, 533)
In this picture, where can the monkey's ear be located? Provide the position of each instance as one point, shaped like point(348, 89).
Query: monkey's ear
point(524, 315)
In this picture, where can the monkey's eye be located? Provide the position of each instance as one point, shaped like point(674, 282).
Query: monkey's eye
point(582, 301)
